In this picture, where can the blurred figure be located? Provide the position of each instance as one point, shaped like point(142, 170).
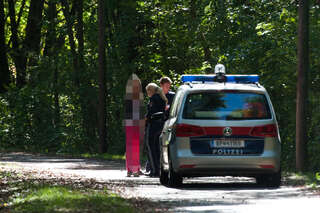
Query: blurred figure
point(134, 124)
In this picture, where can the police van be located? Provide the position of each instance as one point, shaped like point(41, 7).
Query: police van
point(220, 125)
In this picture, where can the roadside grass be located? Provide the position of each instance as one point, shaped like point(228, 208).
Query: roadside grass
point(105, 156)
point(22, 195)
point(65, 199)
point(310, 179)
point(112, 157)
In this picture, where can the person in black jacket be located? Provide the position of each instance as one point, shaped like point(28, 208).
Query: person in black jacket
point(154, 123)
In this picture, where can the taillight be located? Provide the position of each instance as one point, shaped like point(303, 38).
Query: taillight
point(267, 166)
point(187, 130)
point(269, 130)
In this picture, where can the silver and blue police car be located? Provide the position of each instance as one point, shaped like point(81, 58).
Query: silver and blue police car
point(220, 125)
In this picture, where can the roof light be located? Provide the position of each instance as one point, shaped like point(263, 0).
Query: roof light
point(249, 79)
point(243, 79)
point(220, 76)
point(219, 69)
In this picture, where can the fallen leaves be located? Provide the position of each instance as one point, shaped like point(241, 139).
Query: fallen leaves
point(16, 180)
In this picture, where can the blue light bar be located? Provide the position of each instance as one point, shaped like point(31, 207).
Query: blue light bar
point(197, 78)
point(229, 78)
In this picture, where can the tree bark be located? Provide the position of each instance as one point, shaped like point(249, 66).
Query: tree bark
point(33, 32)
point(302, 86)
point(87, 102)
point(102, 80)
point(34, 24)
point(67, 15)
point(31, 43)
point(78, 4)
point(18, 54)
point(206, 49)
point(51, 35)
point(50, 50)
point(4, 68)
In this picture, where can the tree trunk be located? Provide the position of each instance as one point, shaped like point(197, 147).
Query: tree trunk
point(206, 49)
point(86, 101)
point(78, 4)
point(31, 44)
point(18, 54)
point(51, 35)
point(33, 32)
point(302, 85)
point(67, 15)
point(4, 68)
point(102, 80)
point(50, 50)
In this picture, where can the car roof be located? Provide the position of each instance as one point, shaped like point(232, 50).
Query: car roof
point(223, 86)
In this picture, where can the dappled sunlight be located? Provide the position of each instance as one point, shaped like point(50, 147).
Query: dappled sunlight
point(205, 194)
point(295, 205)
point(63, 199)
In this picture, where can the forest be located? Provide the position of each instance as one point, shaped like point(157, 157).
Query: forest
point(49, 64)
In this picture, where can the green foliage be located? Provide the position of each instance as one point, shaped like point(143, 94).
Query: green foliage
point(153, 39)
point(310, 179)
point(105, 156)
point(64, 199)
point(23, 192)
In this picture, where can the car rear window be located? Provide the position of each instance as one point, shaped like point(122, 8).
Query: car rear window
point(226, 105)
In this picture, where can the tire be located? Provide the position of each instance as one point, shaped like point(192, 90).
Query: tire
point(174, 179)
point(272, 181)
point(275, 180)
point(164, 176)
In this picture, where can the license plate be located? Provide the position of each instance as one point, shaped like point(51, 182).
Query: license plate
point(228, 143)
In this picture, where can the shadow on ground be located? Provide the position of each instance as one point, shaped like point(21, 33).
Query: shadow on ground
point(71, 163)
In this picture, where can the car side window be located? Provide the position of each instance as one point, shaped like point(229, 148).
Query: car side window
point(174, 107)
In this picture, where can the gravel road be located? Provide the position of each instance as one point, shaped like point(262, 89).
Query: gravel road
point(214, 194)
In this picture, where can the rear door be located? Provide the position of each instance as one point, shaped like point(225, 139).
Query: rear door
point(227, 122)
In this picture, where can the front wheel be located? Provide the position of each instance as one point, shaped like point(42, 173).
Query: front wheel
point(174, 179)
point(164, 176)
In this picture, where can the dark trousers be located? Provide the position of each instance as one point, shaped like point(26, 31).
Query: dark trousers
point(154, 146)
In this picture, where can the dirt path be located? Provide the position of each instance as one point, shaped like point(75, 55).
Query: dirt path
point(217, 194)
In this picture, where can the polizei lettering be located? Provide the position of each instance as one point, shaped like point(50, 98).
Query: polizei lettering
point(227, 151)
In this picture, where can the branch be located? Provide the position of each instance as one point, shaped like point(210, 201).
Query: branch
point(20, 12)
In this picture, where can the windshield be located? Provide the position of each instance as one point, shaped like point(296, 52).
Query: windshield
point(226, 105)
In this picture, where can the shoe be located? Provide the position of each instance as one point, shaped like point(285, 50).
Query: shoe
point(144, 173)
point(140, 172)
point(149, 174)
point(136, 174)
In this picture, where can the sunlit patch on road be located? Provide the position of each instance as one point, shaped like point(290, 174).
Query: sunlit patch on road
point(207, 194)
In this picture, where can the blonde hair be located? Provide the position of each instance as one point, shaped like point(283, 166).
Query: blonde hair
point(154, 88)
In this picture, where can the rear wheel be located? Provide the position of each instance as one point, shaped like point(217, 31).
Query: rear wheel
point(270, 180)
